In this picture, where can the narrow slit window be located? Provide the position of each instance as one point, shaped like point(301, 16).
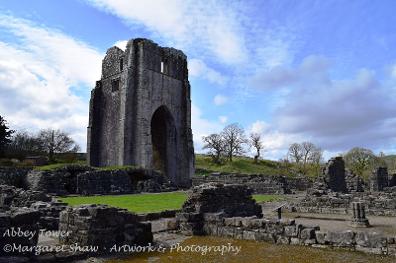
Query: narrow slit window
point(121, 64)
point(162, 67)
point(115, 85)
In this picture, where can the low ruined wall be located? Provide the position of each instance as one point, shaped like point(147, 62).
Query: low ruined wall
point(99, 182)
point(231, 199)
point(18, 219)
point(88, 181)
point(299, 183)
point(61, 181)
point(49, 213)
point(261, 184)
point(376, 203)
point(11, 196)
point(103, 226)
point(282, 232)
point(13, 176)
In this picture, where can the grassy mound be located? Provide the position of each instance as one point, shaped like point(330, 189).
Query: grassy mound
point(238, 165)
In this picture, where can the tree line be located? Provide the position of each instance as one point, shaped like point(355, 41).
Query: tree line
point(47, 142)
point(301, 158)
point(231, 142)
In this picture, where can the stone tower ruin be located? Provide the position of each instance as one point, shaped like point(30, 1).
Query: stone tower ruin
point(140, 111)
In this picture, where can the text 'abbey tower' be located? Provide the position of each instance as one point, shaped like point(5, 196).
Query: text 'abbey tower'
point(140, 111)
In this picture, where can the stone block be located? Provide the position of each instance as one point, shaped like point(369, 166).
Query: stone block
point(340, 239)
point(370, 240)
point(291, 231)
point(250, 235)
point(321, 237)
point(295, 241)
point(264, 236)
point(283, 240)
point(307, 233)
point(210, 229)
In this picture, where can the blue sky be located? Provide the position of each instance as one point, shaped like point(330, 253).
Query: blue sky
point(322, 71)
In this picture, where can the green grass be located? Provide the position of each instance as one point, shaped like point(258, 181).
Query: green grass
point(55, 166)
point(145, 203)
point(266, 198)
point(238, 165)
point(139, 203)
point(117, 167)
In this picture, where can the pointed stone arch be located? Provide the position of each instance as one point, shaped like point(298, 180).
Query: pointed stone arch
point(164, 142)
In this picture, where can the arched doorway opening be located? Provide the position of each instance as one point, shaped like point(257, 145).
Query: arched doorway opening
point(163, 139)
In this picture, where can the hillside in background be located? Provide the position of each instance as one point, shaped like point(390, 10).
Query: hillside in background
point(246, 165)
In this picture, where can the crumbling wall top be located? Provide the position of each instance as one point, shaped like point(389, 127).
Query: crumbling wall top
point(111, 64)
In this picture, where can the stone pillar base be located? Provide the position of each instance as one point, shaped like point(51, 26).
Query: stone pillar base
point(360, 223)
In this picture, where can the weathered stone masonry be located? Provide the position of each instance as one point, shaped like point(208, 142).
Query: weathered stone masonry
point(140, 111)
point(204, 213)
point(259, 183)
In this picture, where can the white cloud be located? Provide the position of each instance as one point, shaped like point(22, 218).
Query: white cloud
point(313, 67)
point(121, 44)
point(335, 114)
point(275, 142)
point(259, 127)
point(197, 68)
point(393, 71)
point(38, 71)
point(214, 26)
point(201, 127)
point(219, 100)
point(223, 119)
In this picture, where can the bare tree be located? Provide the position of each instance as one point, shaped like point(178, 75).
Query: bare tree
point(316, 156)
point(215, 144)
point(234, 139)
point(295, 152)
point(56, 141)
point(316, 159)
point(306, 155)
point(306, 150)
point(255, 141)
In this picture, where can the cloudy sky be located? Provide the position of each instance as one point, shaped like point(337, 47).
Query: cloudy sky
point(322, 71)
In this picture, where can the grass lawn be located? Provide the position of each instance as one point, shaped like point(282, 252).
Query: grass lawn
point(139, 203)
point(144, 203)
point(267, 198)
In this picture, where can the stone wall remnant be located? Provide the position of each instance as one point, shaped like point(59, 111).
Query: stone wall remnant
point(218, 199)
point(11, 196)
point(61, 181)
point(334, 175)
point(85, 180)
point(231, 199)
point(379, 179)
point(14, 176)
point(289, 233)
point(103, 226)
point(18, 219)
point(259, 183)
point(49, 213)
point(354, 183)
point(140, 111)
